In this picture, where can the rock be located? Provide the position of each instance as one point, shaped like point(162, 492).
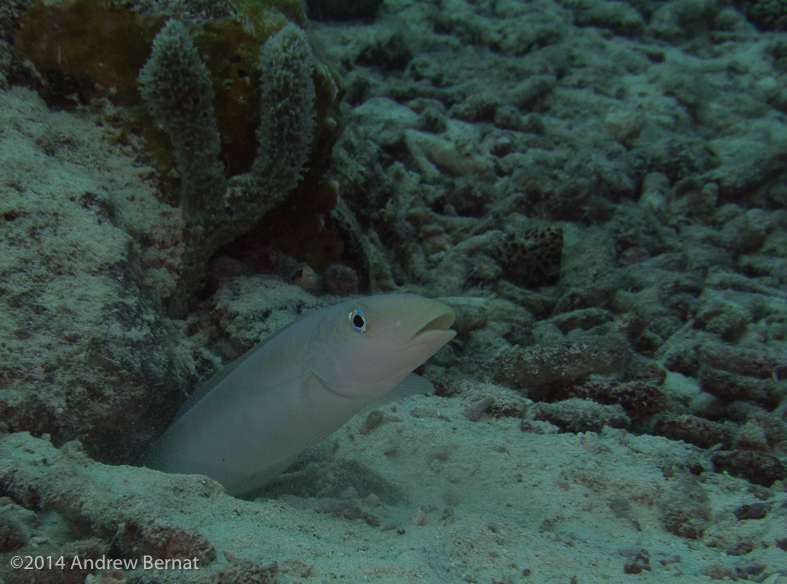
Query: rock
point(78, 489)
point(760, 362)
point(731, 387)
point(539, 367)
point(755, 467)
point(341, 280)
point(697, 431)
point(580, 415)
point(684, 507)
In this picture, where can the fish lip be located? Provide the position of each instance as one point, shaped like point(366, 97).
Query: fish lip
point(437, 338)
point(436, 330)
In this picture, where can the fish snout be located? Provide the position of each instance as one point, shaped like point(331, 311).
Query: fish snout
point(429, 325)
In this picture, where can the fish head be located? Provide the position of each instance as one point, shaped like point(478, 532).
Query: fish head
point(365, 347)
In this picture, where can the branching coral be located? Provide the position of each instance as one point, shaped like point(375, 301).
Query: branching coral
point(175, 84)
point(286, 108)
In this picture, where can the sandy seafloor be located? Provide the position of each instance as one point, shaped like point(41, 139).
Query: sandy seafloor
point(617, 417)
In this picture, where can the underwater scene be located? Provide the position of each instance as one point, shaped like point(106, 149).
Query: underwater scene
point(393, 291)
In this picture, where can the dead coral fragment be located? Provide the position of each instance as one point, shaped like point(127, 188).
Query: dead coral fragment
point(685, 507)
point(730, 387)
point(533, 258)
point(246, 572)
point(12, 533)
point(579, 415)
point(638, 399)
point(540, 367)
point(762, 363)
point(697, 431)
point(755, 467)
point(36, 475)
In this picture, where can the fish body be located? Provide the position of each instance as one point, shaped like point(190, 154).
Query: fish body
point(300, 385)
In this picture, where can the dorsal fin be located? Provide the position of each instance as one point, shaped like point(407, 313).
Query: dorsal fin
point(224, 372)
point(218, 377)
point(221, 375)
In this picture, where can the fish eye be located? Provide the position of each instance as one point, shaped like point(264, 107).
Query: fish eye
point(358, 320)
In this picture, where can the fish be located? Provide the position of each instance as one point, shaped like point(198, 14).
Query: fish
point(251, 420)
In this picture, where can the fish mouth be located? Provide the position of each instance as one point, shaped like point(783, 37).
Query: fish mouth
point(436, 331)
